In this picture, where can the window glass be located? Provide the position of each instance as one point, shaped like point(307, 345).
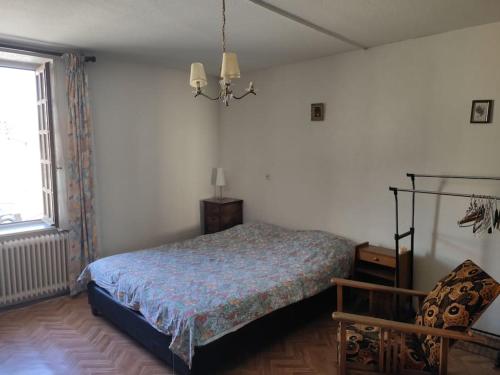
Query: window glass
point(20, 171)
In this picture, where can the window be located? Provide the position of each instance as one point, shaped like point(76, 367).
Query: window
point(27, 181)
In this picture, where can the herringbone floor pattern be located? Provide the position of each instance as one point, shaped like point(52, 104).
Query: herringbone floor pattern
point(61, 336)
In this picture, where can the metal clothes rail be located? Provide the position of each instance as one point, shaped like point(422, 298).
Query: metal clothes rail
point(411, 232)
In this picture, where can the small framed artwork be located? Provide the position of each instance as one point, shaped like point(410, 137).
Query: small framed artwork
point(481, 112)
point(317, 112)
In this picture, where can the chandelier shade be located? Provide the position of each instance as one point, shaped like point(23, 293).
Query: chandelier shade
point(230, 68)
point(198, 77)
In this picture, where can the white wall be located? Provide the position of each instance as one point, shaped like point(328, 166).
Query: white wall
point(155, 146)
point(394, 109)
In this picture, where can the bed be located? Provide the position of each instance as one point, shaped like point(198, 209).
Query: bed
point(191, 294)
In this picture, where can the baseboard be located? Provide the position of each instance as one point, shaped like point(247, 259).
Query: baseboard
point(33, 301)
point(491, 348)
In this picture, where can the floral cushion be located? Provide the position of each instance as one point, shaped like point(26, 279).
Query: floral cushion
point(413, 356)
point(363, 345)
point(456, 302)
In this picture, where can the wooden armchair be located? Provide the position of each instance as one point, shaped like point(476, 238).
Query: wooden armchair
point(378, 345)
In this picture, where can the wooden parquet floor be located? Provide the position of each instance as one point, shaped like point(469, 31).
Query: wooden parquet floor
point(61, 336)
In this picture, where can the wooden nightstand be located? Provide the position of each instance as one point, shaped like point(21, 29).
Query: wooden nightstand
point(377, 265)
point(220, 214)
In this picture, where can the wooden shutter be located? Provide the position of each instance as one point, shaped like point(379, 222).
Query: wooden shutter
point(47, 157)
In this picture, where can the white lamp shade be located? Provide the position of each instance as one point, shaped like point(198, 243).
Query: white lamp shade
point(230, 68)
point(220, 179)
point(198, 76)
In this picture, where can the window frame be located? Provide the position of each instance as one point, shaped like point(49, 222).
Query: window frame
point(35, 63)
point(47, 156)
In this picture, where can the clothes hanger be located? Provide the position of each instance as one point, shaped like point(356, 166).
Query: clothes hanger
point(482, 215)
point(481, 223)
point(491, 215)
point(478, 222)
point(496, 216)
point(471, 214)
point(487, 219)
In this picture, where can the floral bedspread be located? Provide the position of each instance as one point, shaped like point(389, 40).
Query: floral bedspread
point(200, 289)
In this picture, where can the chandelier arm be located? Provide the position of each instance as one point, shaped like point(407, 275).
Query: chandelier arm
point(198, 93)
point(245, 94)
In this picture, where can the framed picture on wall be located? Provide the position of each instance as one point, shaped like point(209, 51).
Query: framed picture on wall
point(481, 111)
point(317, 112)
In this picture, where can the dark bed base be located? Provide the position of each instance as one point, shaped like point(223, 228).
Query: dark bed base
point(209, 358)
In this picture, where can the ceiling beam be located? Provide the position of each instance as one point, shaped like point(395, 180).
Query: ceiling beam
point(307, 23)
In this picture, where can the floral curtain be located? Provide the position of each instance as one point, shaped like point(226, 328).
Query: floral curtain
point(81, 216)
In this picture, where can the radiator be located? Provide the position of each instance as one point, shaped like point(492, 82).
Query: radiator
point(33, 267)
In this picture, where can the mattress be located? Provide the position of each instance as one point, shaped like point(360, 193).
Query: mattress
point(203, 288)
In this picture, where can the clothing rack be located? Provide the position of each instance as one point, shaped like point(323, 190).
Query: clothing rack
point(411, 232)
point(446, 193)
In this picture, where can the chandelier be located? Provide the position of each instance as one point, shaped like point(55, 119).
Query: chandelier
point(230, 70)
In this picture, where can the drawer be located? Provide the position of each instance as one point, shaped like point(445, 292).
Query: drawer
point(212, 224)
point(231, 221)
point(231, 210)
point(376, 258)
point(212, 209)
point(231, 215)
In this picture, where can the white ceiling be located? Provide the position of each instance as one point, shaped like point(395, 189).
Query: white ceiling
point(177, 32)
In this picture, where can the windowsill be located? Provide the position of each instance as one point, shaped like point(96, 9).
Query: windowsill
point(8, 230)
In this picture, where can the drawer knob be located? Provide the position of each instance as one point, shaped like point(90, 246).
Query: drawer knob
point(376, 259)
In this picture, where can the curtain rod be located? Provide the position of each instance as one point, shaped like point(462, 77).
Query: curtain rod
point(40, 51)
point(454, 176)
point(395, 190)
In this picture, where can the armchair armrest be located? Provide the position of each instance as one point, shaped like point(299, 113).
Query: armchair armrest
point(406, 327)
point(376, 287)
